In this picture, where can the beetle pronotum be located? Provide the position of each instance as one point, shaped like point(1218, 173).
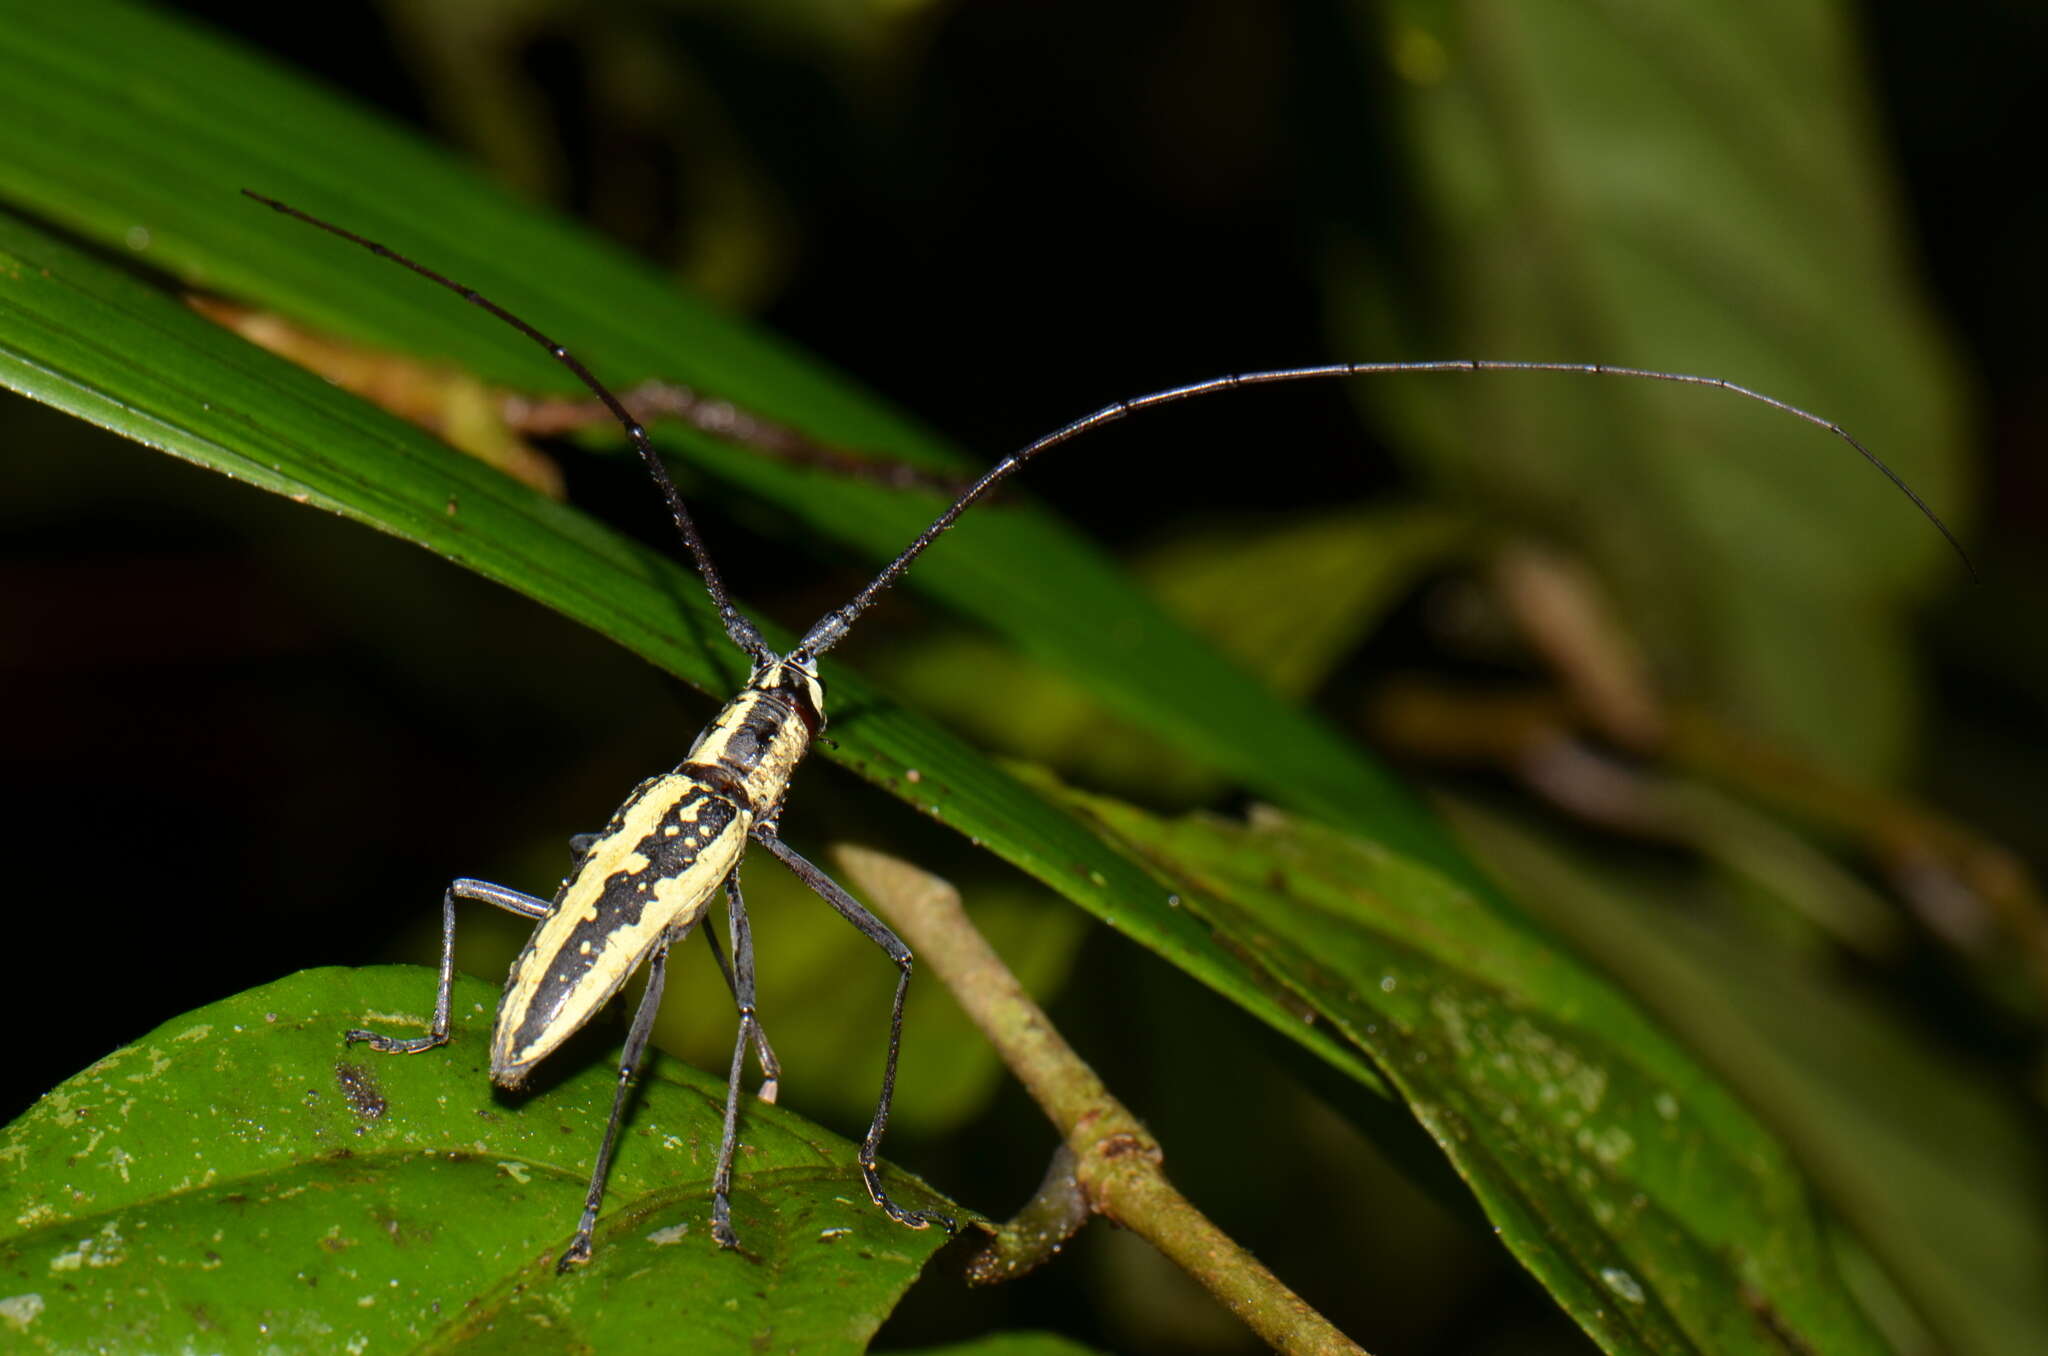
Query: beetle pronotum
point(651, 875)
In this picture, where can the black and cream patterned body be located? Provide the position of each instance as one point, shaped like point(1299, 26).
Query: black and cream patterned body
point(659, 865)
point(644, 884)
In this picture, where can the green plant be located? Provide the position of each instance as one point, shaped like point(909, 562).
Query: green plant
point(1658, 1210)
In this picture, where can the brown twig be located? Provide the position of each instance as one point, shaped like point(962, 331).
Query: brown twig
point(1036, 1233)
point(1116, 1162)
point(552, 416)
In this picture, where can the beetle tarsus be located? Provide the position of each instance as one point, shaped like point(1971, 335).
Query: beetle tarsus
point(721, 1224)
point(394, 1045)
point(575, 1255)
point(909, 1219)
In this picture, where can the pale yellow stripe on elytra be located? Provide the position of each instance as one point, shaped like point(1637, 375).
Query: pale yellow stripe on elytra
point(680, 899)
point(766, 777)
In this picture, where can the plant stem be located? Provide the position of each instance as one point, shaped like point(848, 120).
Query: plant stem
point(1115, 1161)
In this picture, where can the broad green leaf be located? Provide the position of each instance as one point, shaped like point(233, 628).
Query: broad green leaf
point(1939, 1177)
point(239, 1181)
point(1689, 186)
point(1650, 1202)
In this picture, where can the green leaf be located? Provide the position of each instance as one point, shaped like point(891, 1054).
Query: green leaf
point(238, 1179)
point(1654, 1207)
point(1561, 156)
point(1938, 1174)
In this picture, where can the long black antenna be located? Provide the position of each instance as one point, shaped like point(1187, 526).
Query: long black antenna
point(831, 628)
point(742, 631)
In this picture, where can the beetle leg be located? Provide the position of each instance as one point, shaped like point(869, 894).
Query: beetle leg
point(771, 1068)
point(511, 901)
point(750, 1028)
point(877, 932)
point(578, 1250)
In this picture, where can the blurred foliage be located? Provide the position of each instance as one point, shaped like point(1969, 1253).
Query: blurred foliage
point(1000, 216)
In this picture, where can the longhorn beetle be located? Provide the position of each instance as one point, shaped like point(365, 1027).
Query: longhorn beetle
point(643, 883)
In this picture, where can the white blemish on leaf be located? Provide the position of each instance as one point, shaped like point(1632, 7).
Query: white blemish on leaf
point(158, 1062)
point(18, 1311)
point(1610, 1145)
point(517, 1172)
point(105, 1249)
point(195, 1033)
point(662, 1238)
point(1622, 1284)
